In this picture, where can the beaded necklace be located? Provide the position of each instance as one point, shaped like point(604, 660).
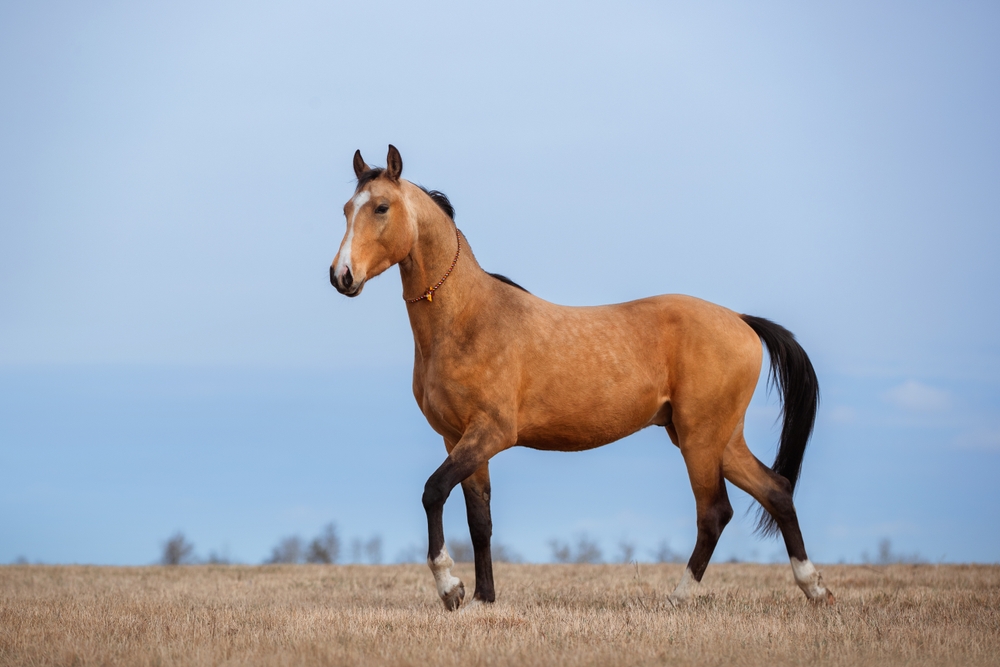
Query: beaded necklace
point(429, 294)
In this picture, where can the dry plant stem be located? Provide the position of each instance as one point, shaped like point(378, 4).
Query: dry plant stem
point(544, 614)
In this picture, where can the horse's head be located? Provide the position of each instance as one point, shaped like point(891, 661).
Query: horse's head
point(381, 225)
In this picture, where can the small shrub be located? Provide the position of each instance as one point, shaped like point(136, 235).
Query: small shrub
point(462, 551)
point(288, 550)
point(367, 552)
point(626, 551)
point(664, 554)
point(325, 547)
point(586, 551)
point(177, 551)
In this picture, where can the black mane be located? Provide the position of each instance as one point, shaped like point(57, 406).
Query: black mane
point(441, 199)
point(505, 279)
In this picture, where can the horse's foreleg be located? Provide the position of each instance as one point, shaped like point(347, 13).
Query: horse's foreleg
point(470, 454)
point(714, 512)
point(477, 505)
point(772, 491)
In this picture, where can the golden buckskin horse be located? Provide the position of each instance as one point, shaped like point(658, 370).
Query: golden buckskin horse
point(495, 366)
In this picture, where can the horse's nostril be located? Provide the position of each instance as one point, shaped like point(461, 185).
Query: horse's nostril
point(333, 277)
point(348, 279)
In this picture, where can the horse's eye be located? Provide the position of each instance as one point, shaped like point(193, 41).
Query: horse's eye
point(381, 208)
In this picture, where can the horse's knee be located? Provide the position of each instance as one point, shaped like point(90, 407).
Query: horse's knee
point(434, 494)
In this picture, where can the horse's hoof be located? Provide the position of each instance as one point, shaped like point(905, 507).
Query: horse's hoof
point(826, 598)
point(453, 599)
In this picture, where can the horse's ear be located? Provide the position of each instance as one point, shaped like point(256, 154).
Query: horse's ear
point(393, 164)
point(359, 164)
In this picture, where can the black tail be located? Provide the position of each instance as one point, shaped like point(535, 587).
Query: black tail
point(793, 373)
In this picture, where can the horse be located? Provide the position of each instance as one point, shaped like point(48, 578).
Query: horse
point(496, 367)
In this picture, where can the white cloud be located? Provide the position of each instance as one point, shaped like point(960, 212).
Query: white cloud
point(918, 397)
point(985, 439)
point(842, 414)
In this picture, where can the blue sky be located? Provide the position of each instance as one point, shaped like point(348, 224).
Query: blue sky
point(172, 356)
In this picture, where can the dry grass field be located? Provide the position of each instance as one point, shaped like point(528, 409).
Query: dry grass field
point(545, 615)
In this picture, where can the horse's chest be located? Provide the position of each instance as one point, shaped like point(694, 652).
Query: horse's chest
point(439, 397)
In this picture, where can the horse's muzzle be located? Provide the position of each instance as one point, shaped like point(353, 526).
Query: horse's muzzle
point(346, 284)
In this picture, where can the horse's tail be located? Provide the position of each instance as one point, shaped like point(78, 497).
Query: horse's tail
point(793, 373)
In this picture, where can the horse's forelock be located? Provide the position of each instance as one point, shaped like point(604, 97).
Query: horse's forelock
point(368, 177)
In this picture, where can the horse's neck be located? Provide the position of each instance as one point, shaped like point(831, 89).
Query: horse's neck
point(429, 260)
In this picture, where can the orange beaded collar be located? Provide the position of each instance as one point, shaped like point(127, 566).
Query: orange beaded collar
point(429, 294)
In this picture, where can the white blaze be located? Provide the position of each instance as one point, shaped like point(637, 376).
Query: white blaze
point(345, 251)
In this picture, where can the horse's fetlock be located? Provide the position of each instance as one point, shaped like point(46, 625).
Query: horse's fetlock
point(442, 561)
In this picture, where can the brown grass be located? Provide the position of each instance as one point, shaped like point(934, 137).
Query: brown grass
point(545, 615)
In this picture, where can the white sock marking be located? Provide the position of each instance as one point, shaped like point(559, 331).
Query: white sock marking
point(685, 587)
point(441, 567)
point(808, 579)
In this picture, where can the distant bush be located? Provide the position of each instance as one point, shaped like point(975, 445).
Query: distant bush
point(288, 551)
point(177, 551)
point(462, 551)
point(886, 556)
point(369, 551)
point(585, 551)
point(412, 554)
point(325, 547)
point(501, 553)
point(215, 558)
point(626, 551)
point(664, 554)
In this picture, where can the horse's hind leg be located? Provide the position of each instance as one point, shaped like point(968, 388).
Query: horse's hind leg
point(477, 505)
point(704, 466)
point(773, 492)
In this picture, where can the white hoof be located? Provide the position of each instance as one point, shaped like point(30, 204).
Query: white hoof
point(811, 582)
point(685, 590)
point(453, 599)
point(450, 589)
